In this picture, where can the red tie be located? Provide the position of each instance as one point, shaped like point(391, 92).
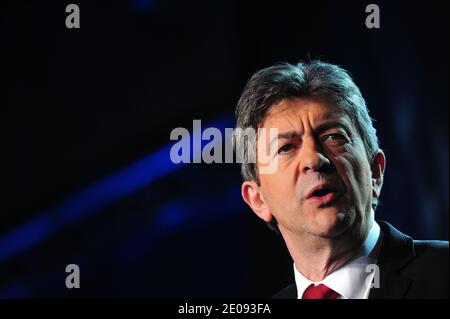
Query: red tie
point(320, 292)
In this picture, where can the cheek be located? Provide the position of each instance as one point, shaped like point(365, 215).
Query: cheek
point(278, 190)
point(356, 173)
point(346, 165)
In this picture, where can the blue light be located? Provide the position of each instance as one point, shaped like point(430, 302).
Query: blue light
point(171, 214)
point(95, 197)
point(142, 5)
point(26, 235)
point(16, 290)
point(176, 214)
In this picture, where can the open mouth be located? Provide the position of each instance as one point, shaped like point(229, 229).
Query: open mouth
point(321, 192)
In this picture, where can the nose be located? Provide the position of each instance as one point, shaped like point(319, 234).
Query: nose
point(312, 158)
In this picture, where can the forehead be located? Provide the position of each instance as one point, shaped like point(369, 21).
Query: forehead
point(295, 113)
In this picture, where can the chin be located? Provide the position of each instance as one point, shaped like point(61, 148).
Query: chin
point(333, 224)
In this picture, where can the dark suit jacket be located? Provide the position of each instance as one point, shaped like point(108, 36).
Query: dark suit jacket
point(408, 268)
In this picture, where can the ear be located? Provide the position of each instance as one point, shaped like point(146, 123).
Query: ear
point(378, 165)
point(251, 194)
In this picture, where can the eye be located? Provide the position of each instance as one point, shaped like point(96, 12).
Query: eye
point(335, 138)
point(286, 148)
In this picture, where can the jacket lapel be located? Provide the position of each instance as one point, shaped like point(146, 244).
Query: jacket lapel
point(397, 250)
point(290, 292)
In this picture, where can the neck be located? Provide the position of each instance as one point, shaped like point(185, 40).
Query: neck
point(316, 257)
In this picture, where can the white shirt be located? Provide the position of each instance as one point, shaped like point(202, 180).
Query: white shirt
point(354, 279)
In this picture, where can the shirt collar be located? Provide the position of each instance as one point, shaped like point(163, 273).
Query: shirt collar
point(351, 281)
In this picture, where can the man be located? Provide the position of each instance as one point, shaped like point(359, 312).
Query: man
point(324, 191)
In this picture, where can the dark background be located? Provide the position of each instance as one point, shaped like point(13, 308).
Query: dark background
point(89, 111)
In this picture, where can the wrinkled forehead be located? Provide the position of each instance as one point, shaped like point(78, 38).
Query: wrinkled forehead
point(295, 113)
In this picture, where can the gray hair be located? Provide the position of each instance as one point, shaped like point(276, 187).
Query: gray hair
point(314, 79)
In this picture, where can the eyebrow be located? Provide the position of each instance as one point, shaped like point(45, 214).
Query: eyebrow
point(322, 127)
point(317, 130)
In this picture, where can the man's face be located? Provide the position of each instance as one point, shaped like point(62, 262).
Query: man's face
point(323, 184)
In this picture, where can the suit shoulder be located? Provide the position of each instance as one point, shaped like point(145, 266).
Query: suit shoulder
point(432, 255)
point(431, 248)
point(429, 269)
